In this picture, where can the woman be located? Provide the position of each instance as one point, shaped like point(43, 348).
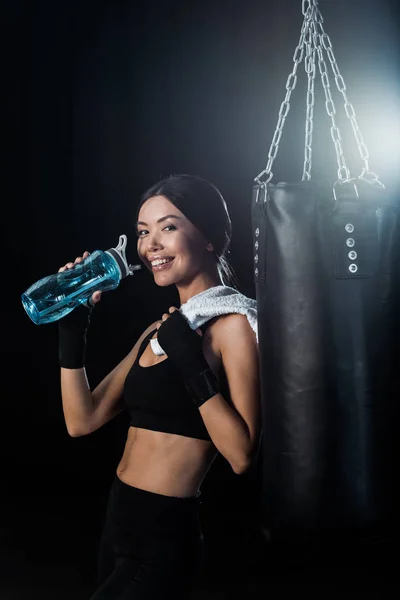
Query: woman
point(191, 394)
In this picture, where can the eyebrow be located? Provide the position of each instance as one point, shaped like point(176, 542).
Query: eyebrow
point(159, 220)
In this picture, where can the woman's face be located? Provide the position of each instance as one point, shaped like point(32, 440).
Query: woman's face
point(164, 233)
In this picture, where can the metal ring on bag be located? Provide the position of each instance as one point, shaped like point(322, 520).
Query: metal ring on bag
point(262, 194)
point(344, 182)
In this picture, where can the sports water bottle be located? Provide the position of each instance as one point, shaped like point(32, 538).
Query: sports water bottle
point(53, 297)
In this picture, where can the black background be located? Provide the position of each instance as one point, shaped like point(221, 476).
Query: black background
point(102, 99)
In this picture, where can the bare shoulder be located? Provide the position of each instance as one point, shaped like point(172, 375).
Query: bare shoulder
point(229, 336)
point(234, 329)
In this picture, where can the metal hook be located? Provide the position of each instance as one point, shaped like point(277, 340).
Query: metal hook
point(371, 178)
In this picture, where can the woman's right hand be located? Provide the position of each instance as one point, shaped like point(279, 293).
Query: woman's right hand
point(96, 296)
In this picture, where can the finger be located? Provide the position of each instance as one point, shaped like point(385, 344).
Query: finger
point(172, 309)
point(80, 259)
point(163, 319)
point(199, 332)
point(96, 297)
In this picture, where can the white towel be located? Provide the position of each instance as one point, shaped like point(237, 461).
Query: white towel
point(218, 300)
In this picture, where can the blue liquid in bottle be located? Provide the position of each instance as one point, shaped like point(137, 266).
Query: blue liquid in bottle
point(53, 297)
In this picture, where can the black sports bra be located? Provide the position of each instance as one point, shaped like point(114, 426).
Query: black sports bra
point(157, 399)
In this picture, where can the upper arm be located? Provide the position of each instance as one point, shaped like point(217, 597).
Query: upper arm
point(107, 395)
point(240, 359)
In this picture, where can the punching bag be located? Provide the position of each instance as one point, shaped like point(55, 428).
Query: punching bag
point(326, 269)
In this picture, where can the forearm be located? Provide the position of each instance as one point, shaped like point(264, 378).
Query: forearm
point(77, 400)
point(228, 432)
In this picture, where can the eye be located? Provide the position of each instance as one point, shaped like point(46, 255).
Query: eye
point(139, 232)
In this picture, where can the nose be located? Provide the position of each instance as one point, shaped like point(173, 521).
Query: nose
point(153, 242)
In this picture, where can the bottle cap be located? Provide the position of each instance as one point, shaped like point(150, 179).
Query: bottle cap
point(118, 254)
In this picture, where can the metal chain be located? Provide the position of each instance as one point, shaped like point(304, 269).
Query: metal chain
point(308, 6)
point(343, 171)
point(310, 69)
point(285, 107)
point(314, 41)
point(366, 174)
point(309, 46)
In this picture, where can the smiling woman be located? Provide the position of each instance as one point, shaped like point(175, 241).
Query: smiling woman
point(176, 253)
point(196, 397)
point(158, 262)
point(198, 201)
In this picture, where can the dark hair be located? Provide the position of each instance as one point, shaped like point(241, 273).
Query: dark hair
point(203, 204)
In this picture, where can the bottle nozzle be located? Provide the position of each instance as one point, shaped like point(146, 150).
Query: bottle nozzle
point(118, 253)
point(133, 268)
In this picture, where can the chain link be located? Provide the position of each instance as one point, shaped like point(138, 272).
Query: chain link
point(343, 171)
point(366, 174)
point(309, 7)
point(285, 107)
point(311, 43)
point(310, 69)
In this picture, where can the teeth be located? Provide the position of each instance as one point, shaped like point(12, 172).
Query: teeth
point(155, 263)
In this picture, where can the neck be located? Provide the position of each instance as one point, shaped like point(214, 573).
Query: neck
point(201, 283)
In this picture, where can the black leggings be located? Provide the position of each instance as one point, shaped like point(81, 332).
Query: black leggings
point(151, 546)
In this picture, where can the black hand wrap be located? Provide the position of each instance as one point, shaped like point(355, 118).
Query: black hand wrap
point(184, 349)
point(72, 338)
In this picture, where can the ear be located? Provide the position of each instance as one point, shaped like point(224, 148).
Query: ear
point(210, 247)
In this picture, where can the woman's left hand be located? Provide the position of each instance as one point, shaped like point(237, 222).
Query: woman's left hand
point(184, 348)
point(181, 343)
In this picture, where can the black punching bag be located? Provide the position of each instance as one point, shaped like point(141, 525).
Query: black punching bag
point(327, 284)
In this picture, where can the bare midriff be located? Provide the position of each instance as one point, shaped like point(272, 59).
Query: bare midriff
point(165, 463)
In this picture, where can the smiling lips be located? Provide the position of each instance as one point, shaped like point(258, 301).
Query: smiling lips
point(161, 264)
